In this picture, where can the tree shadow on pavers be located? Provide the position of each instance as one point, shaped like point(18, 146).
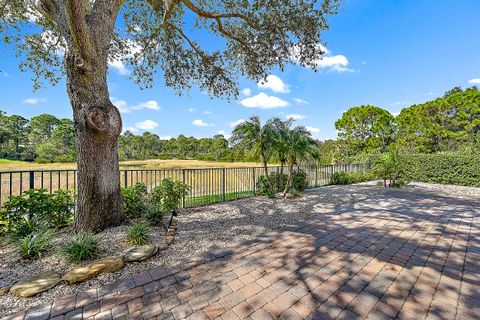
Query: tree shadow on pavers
point(336, 235)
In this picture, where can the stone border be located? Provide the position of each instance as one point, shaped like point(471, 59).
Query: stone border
point(38, 283)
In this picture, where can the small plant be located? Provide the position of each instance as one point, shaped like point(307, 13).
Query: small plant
point(299, 180)
point(340, 177)
point(25, 227)
point(138, 234)
point(168, 194)
point(35, 244)
point(83, 246)
point(271, 194)
point(154, 214)
point(53, 210)
point(134, 200)
point(295, 193)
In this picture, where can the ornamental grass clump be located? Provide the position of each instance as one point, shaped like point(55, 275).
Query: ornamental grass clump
point(138, 234)
point(35, 245)
point(83, 246)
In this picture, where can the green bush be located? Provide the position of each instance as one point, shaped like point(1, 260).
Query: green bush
point(25, 227)
point(135, 201)
point(83, 246)
point(138, 234)
point(35, 244)
point(342, 177)
point(54, 210)
point(154, 214)
point(299, 180)
point(279, 181)
point(446, 168)
point(168, 194)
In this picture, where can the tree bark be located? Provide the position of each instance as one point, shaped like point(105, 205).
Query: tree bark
point(97, 128)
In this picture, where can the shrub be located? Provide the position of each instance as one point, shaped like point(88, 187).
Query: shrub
point(25, 227)
point(168, 194)
point(299, 180)
point(60, 214)
point(138, 234)
point(342, 177)
point(134, 200)
point(35, 244)
point(448, 168)
point(279, 180)
point(54, 210)
point(295, 193)
point(154, 214)
point(83, 246)
point(390, 167)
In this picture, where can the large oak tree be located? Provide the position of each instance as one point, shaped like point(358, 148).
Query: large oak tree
point(78, 39)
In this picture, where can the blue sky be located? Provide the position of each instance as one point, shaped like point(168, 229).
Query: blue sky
point(386, 53)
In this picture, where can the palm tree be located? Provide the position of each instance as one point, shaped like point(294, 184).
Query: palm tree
point(280, 130)
point(300, 145)
point(256, 138)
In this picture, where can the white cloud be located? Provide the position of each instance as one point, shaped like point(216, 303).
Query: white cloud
point(34, 101)
point(131, 129)
point(330, 62)
point(274, 83)
point(263, 101)
point(207, 112)
point(201, 123)
point(336, 63)
point(247, 92)
point(224, 134)
point(191, 109)
point(312, 129)
point(295, 116)
point(146, 125)
point(120, 67)
point(474, 81)
point(165, 137)
point(152, 105)
point(236, 123)
point(300, 101)
point(123, 106)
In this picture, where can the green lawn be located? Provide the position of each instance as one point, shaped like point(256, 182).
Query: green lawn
point(207, 199)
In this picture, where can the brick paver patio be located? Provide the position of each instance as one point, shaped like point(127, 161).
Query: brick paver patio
point(397, 255)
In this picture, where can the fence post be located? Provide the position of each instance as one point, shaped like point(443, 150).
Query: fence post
point(183, 181)
point(125, 183)
point(316, 175)
point(223, 184)
point(32, 180)
point(254, 182)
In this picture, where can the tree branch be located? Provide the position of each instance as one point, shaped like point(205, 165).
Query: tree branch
point(217, 17)
point(77, 24)
point(209, 15)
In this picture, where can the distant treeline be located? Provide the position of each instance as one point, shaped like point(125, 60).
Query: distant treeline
point(447, 124)
point(45, 138)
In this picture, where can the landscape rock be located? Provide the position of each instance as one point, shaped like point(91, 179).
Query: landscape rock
point(36, 284)
point(90, 270)
point(162, 247)
point(169, 239)
point(140, 253)
point(4, 290)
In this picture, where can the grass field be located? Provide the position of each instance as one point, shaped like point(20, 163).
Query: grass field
point(15, 165)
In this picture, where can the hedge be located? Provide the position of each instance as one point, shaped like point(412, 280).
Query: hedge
point(459, 169)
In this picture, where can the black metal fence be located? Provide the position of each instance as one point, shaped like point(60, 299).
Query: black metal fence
point(207, 186)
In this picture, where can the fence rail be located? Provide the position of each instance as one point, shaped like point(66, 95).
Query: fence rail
point(207, 186)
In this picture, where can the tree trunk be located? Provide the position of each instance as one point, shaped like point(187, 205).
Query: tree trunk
point(265, 168)
point(97, 128)
point(289, 179)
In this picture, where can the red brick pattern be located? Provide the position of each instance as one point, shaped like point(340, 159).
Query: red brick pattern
point(403, 257)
